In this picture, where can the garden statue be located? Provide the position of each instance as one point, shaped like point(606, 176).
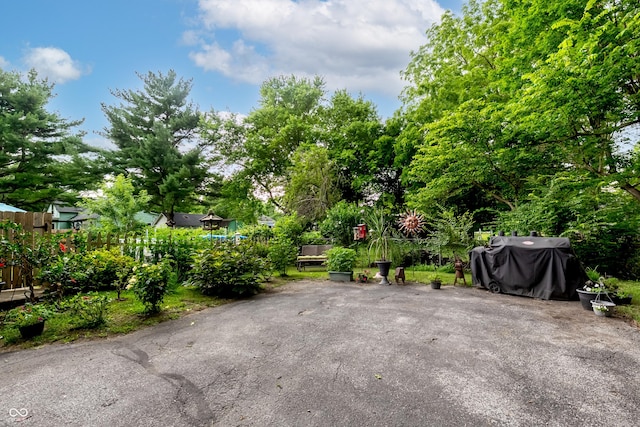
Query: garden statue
point(459, 268)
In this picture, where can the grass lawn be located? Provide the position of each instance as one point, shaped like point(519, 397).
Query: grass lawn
point(122, 317)
point(128, 315)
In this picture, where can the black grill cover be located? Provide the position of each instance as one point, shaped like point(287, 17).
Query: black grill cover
point(539, 267)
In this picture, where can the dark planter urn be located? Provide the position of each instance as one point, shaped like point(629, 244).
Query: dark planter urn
point(585, 298)
point(384, 267)
point(435, 284)
point(31, 331)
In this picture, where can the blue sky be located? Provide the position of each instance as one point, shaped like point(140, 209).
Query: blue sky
point(227, 47)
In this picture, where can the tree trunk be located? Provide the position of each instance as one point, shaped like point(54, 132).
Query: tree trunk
point(631, 190)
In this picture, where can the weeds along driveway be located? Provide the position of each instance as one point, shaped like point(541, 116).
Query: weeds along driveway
point(316, 353)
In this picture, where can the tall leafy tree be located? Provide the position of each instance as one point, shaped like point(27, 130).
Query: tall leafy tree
point(312, 188)
point(42, 158)
point(118, 205)
point(463, 82)
point(261, 145)
point(586, 94)
point(350, 128)
point(157, 137)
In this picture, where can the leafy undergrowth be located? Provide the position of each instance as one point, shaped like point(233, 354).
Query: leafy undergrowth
point(630, 312)
point(122, 317)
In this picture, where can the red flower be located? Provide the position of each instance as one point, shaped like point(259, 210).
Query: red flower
point(63, 248)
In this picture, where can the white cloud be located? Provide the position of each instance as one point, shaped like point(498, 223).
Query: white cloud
point(53, 63)
point(3, 62)
point(361, 45)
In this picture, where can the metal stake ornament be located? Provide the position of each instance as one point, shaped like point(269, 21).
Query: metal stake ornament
point(411, 223)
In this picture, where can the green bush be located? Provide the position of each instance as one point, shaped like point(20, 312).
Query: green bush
point(289, 227)
point(228, 270)
point(340, 222)
point(151, 282)
point(312, 238)
point(282, 253)
point(180, 245)
point(72, 272)
point(90, 310)
point(257, 233)
point(341, 259)
point(67, 274)
point(106, 267)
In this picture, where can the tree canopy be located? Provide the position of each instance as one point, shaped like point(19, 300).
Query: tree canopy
point(42, 158)
point(156, 133)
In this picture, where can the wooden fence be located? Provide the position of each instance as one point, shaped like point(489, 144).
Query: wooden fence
point(36, 224)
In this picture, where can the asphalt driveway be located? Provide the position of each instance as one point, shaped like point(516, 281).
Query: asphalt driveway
point(316, 353)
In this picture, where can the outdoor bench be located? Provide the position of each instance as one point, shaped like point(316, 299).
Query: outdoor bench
point(312, 255)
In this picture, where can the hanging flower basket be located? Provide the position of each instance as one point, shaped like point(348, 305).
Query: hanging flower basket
point(603, 308)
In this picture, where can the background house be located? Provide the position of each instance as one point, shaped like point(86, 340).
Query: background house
point(63, 216)
point(266, 220)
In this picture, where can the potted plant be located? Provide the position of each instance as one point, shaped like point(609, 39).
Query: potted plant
point(436, 282)
point(593, 287)
point(29, 319)
point(340, 262)
point(603, 308)
point(380, 232)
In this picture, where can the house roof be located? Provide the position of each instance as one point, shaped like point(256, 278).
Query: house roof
point(191, 220)
point(186, 220)
point(68, 209)
point(147, 218)
point(84, 217)
point(8, 208)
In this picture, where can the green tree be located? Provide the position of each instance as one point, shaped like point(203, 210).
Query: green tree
point(513, 90)
point(41, 158)
point(311, 190)
point(586, 92)
point(261, 145)
point(350, 128)
point(466, 87)
point(235, 199)
point(118, 205)
point(156, 132)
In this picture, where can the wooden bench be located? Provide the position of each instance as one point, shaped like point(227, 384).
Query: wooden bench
point(312, 255)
